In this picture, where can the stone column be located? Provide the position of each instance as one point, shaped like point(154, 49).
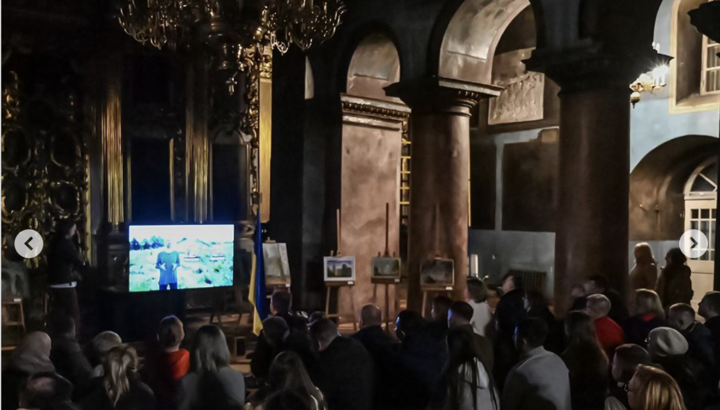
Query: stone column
point(440, 121)
point(594, 167)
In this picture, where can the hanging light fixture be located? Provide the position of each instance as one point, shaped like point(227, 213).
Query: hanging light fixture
point(279, 23)
point(653, 80)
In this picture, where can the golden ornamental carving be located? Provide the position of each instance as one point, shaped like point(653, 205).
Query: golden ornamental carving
point(251, 120)
point(44, 177)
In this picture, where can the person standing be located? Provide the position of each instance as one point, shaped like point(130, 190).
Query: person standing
point(541, 380)
point(701, 344)
point(648, 314)
point(476, 295)
point(64, 264)
point(508, 313)
point(675, 285)
point(626, 360)
point(609, 333)
point(598, 284)
point(167, 263)
point(709, 309)
point(459, 317)
point(470, 383)
point(587, 363)
point(644, 273)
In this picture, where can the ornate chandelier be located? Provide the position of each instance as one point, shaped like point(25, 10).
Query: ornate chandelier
point(229, 26)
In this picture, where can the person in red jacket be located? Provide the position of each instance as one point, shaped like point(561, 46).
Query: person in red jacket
point(609, 333)
point(168, 363)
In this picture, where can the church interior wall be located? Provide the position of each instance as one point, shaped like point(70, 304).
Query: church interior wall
point(652, 124)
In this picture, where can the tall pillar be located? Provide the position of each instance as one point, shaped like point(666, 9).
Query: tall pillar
point(592, 231)
point(593, 53)
point(440, 119)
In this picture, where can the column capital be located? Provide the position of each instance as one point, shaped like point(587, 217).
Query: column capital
point(594, 67)
point(441, 95)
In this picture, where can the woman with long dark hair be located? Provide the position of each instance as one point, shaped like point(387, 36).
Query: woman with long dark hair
point(120, 387)
point(675, 285)
point(288, 376)
point(587, 363)
point(470, 385)
point(211, 383)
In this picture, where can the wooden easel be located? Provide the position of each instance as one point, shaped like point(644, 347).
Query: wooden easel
point(385, 281)
point(270, 289)
point(426, 289)
point(338, 284)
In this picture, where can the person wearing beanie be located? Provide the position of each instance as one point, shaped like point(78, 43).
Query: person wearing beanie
point(668, 349)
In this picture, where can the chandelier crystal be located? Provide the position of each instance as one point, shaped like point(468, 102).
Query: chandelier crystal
point(238, 23)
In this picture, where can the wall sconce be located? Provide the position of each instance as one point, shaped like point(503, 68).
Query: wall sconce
point(653, 80)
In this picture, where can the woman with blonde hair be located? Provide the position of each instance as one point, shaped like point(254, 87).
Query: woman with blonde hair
point(644, 274)
point(648, 314)
point(653, 389)
point(120, 388)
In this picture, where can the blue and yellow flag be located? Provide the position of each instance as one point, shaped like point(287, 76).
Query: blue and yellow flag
point(258, 294)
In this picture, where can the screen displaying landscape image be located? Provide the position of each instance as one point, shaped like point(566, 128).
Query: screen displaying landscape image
point(169, 257)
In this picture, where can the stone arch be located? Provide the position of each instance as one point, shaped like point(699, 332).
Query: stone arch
point(470, 37)
point(374, 65)
point(657, 185)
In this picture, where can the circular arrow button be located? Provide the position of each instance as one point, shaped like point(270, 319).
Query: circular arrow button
point(693, 244)
point(28, 244)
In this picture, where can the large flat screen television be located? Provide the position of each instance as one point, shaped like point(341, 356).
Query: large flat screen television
point(168, 257)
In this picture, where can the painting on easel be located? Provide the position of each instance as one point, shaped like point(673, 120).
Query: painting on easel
point(277, 268)
point(385, 268)
point(437, 273)
point(339, 268)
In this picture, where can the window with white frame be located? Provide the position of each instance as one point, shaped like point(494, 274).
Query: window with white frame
point(701, 209)
point(710, 77)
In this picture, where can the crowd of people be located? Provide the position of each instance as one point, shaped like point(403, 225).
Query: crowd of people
point(649, 354)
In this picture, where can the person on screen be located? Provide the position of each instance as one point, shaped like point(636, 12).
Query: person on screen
point(168, 261)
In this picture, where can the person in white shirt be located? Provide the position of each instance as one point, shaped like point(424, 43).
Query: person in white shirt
point(476, 296)
point(541, 381)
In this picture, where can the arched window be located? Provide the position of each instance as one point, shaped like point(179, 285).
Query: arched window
point(695, 71)
point(701, 210)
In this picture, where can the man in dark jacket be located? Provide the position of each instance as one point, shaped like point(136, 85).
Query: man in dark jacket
point(701, 344)
point(710, 310)
point(419, 363)
point(377, 341)
point(265, 352)
point(277, 337)
point(508, 313)
point(344, 372)
point(380, 345)
point(598, 284)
